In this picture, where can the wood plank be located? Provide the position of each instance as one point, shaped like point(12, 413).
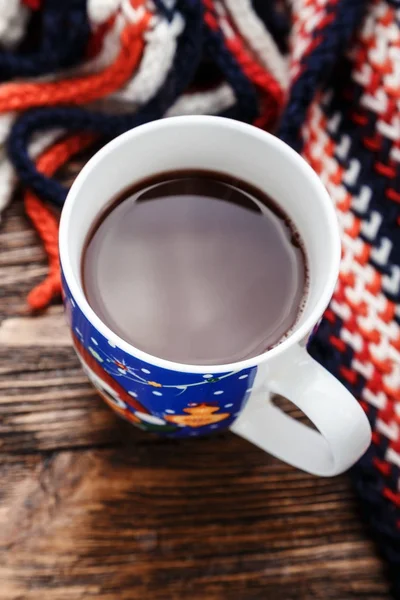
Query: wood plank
point(48, 329)
point(199, 519)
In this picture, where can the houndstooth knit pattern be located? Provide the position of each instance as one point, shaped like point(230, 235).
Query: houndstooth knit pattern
point(324, 75)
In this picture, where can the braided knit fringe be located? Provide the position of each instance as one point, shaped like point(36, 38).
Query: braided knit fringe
point(322, 74)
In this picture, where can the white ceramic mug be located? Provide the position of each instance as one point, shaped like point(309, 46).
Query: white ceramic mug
point(187, 400)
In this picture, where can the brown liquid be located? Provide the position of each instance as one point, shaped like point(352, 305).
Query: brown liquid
point(195, 267)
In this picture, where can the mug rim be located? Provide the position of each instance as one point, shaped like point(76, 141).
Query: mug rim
point(281, 147)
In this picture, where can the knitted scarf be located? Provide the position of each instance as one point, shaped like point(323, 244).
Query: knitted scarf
point(324, 75)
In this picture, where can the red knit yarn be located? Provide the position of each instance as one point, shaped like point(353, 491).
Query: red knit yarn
point(44, 220)
point(33, 4)
point(272, 93)
point(79, 90)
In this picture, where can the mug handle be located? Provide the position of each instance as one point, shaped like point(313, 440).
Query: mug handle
point(343, 432)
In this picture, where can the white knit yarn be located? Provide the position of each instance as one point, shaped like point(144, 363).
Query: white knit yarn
point(6, 170)
point(107, 55)
point(99, 11)
point(6, 122)
point(159, 52)
point(258, 38)
point(14, 16)
point(201, 103)
point(8, 178)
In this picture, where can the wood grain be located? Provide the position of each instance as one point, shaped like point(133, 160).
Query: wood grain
point(92, 508)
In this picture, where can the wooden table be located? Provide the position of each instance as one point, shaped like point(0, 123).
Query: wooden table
point(93, 508)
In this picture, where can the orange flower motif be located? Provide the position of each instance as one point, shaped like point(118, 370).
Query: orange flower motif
point(154, 384)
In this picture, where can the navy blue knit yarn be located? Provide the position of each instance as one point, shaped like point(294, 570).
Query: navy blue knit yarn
point(64, 37)
point(74, 119)
point(317, 67)
point(276, 21)
point(246, 107)
point(164, 9)
point(378, 516)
